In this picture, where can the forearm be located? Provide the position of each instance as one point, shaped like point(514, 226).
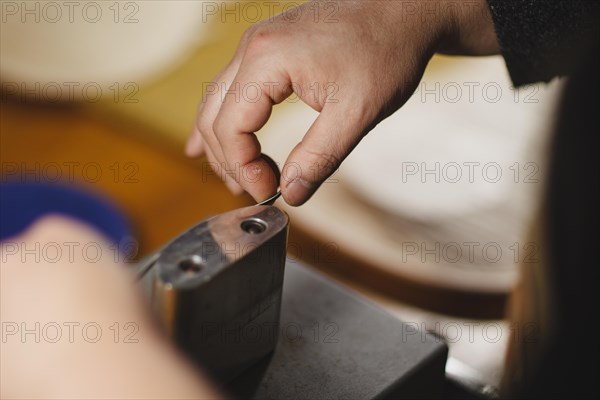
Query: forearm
point(472, 32)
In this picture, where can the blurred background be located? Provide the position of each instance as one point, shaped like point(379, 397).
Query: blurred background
point(428, 217)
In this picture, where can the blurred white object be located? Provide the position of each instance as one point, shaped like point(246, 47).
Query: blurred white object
point(48, 44)
point(459, 145)
point(442, 191)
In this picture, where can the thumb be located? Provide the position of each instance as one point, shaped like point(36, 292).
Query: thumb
point(330, 139)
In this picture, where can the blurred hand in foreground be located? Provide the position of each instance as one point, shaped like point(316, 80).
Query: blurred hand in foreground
point(74, 325)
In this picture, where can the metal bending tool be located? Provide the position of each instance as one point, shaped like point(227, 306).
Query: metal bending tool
point(217, 288)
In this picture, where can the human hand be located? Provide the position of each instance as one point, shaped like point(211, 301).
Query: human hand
point(74, 326)
point(356, 70)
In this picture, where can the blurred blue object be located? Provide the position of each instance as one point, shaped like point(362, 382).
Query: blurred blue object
point(22, 203)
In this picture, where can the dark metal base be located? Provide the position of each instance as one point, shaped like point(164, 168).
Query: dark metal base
point(333, 343)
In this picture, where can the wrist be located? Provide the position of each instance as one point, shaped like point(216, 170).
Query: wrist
point(469, 29)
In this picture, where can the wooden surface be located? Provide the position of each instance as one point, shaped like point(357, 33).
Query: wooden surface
point(159, 189)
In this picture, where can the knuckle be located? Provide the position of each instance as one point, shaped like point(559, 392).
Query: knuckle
point(259, 41)
point(217, 126)
point(247, 35)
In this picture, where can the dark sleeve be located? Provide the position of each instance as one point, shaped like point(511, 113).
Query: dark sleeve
point(541, 39)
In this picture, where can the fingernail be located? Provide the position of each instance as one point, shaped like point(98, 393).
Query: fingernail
point(252, 173)
point(297, 192)
point(193, 147)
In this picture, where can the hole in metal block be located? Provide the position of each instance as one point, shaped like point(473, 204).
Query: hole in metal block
point(192, 264)
point(254, 226)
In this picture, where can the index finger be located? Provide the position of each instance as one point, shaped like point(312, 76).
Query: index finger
point(246, 108)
